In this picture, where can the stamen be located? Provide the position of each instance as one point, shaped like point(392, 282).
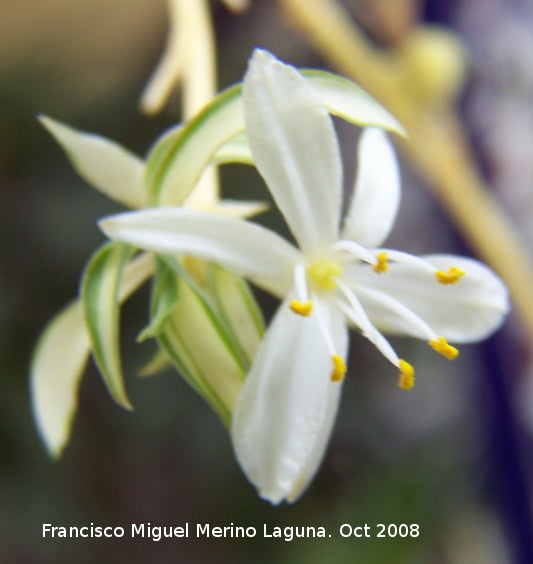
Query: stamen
point(406, 380)
point(442, 347)
point(356, 313)
point(381, 299)
point(300, 283)
point(302, 308)
point(339, 368)
point(382, 264)
point(408, 259)
point(357, 251)
point(453, 275)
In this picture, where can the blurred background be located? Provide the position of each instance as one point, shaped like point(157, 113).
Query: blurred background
point(453, 455)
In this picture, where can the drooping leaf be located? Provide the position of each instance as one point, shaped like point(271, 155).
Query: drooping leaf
point(60, 357)
point(200, 347)
point(164, 300)
point(234, 151)
point(100, 297)
point(238, 309)
point(56, 369)
point(155, 365)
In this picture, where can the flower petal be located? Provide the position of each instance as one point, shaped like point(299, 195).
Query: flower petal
point(105, 165)
point(295, 149)
point(288, 404)
point(243, 247)
point(464, 312)
point(56, 370)
point(239, 208)
point(376, 194)
point(347, 100)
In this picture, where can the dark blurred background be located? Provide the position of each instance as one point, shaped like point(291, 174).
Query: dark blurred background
point(453, 455)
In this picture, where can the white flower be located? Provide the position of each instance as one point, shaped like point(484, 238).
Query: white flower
point(337, 277)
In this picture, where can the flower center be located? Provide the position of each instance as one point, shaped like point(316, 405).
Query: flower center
point(323, 274)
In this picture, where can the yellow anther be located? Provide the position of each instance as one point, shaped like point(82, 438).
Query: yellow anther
point(339, 368)
point(382, 264)
point(407, 375)
point(302, 308)
point(323, 273)
point(453, 275)
point(442, 347)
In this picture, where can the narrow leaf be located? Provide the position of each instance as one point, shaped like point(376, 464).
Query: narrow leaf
point(238, 309)
point(100, 297)
point(234, 151)
point(164, 299)
point(105, 165)
point(155, 365)
point(200, 347)
point(56, 369)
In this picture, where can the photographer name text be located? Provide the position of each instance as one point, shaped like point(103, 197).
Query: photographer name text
point(205, 530)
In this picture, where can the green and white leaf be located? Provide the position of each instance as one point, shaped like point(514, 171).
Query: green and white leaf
point(173, 170)
point(164, 300)
point(200, 347)
point(238, 309)
point(234, 151)
point(56, 369)
point(60, 358)
point(190, 148)
point(100, 297)
point(155, 365)
point(105, 165)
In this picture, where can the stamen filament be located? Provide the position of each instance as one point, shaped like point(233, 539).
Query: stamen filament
point(300, 283)
point(406, 380)
point(442, 347)
point(328, 339)
point(359, 252)
point(356, 313)
point(395, 306)
point(408, 259)
point(453, 275)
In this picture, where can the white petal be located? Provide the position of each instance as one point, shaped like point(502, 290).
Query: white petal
point(284, 415)
point(467, 311)
point(295, 149)
point(243, 247)
point(340, 338)
point(57, 367)
point(239, 208)
point(347, 100)
point(105, 165)
point(376, 194)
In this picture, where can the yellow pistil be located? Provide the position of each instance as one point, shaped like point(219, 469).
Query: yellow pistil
point(339, 368)
point(453, 275)
point(407, 375)
point(382, 266)
point(323, 273)
point(442, 347)
point(302, 308)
